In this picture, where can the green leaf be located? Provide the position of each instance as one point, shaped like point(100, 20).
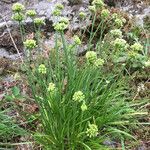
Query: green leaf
point(15, 91)
point(9, 98)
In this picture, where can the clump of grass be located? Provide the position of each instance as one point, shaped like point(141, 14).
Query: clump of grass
point(81, 105)
point(9, 128)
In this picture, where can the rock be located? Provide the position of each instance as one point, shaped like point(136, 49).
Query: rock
point(44, 9)
point(110, 143)
point(9, 1)
point(110, 3)
point(137, 9)
point(74, 2)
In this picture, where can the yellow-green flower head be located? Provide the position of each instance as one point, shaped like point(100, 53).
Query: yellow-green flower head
point(105, 13)
point(92, 131)
point(51, 87)
point(60, 26)
point(78, 96)
point(120, 43)
point(92, 9)
point(91, 56)
point(42, 69)
point(136, 47)
point(18, 17)
point(98, 3)
point(114, 16)
point(30, 44)
point(99, 62)
point(132, 54)
point(147, 63)
point(31, 13)
point(77, 40)
point(39, 21)
point(59, 6)
point(17, 7)
point(116, 33)
point(118, 23)
point(64, 20)
point(56, 12)
point(83, 106)
point(82, 15)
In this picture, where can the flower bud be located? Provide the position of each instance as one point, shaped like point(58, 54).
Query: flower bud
point(30, 44)
point(136, 47)
point(77, 40)
point(83, 106)
point(91, 57)
point(31, 13)
point(18, 17)
point(51, 88)
point(105, 13)
point(17, 7)
point(42, 69)
point(39, 21)
point(78, 96)
point(92, 131)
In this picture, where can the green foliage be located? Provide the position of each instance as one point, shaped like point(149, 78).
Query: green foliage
point(8, 128)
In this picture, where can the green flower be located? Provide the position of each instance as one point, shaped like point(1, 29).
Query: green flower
point(118, 23)
point(59, 6)
point(132, 54)
point(31, 13)
point(78, 96)
point(92, 9)
point(60, 26)
point(77, 40)
point(42, 69)
point(83, 106)
point(99, 62)
point(39, 21)
point(116, 33)
point(18, 17)
point(98, 3)
point(17, 7)
point(147, 63)
point(114, 16)
point(82, 15)
point(51, 88)
point(92, 131)
point(64, 20)
point(105, 13)
point(120, 43)
point(30, 44)
point(136, 47)
point(56, 12)
point(91, 56)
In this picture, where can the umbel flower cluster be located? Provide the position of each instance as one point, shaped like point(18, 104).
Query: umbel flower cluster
point(92, 131)
point(63, 22)
point(119, 43)
point(18, 10)
point(19, 14)
point(51, 88)
point(116, 33)
point(42, 69)
point(30, 44)
point(80, 97)
point(31, 13)
point(98, 3)
point(91, 57)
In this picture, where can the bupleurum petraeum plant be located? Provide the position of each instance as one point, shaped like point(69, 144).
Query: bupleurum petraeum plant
point(80, 105)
